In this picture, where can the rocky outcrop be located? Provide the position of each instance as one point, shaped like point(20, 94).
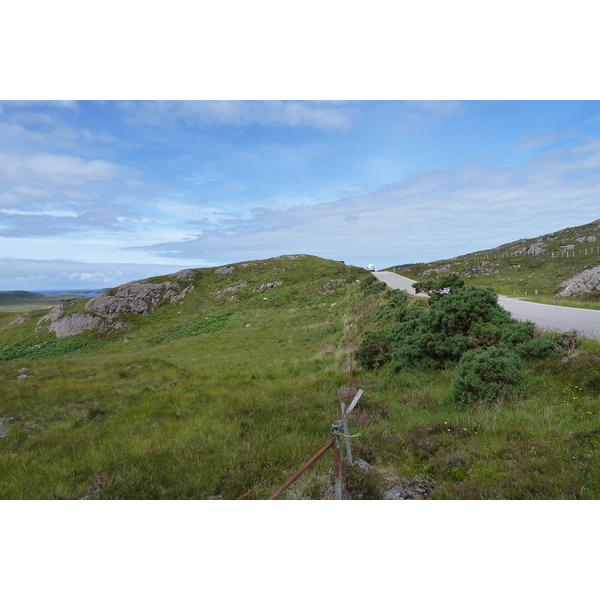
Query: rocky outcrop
point(268, 286)
point(19, 320)
point(65, 325)
point(583, 283)
point(138, 297)
point(225, 270)
point(228, 290)
point(534, 249)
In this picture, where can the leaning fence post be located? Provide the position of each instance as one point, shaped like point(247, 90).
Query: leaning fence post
point(346, 433)
point(336, 428)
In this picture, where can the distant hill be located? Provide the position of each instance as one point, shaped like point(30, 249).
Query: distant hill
point(10, 297)
point(544, 263)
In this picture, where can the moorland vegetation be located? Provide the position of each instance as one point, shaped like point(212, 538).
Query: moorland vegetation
point(208, 396)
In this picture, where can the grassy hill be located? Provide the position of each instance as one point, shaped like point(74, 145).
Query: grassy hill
point(210, 395)
point(203, 397)
point(524, 266)
point(25, 301)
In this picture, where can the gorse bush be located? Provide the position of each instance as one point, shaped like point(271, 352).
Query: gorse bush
point(488, 375)
point(458, 325)
point(458, 319)
point(371, 285)
point(374, 350)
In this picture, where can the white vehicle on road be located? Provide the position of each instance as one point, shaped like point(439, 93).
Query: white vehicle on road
point(370, 267)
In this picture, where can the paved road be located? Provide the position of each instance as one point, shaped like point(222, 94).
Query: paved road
point(554, 318)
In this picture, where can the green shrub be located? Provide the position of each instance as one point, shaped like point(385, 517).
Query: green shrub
point(31, 348)
point(373, 351)
point(488, 375)
point(395, 307)
point(371, 285)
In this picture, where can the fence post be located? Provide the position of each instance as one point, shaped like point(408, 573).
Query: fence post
point(346, 433)
point(336, 427)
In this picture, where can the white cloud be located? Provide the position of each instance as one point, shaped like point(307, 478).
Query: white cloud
point(320, 115)
point(429, 215)
point(419, 114)
point(536, 140)
point(50, 213)
point(57, 169)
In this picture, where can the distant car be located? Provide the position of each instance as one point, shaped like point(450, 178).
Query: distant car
point(371, 268)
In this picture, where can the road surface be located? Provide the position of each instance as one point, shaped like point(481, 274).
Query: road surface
point(554, 318)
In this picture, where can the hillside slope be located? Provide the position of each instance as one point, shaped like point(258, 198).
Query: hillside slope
point(192, 396)
point(543, 264)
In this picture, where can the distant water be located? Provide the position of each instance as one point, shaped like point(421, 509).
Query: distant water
point(82, 293)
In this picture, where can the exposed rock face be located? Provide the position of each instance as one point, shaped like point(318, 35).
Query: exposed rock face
point(137, 297)
point(225, 270)
point(585, 282)
point(228, 290)
point(19, 320)
point(268, 286)
point(66, 325)
point(534, 249)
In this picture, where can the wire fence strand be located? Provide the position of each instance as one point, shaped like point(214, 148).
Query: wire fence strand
point(311, 451)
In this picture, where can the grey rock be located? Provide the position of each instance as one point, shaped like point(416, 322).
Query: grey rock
point(268, 286)
point(412, 490)
point(584, 282)
point(139, 297)
point(19, 320)
point(363, 464)
point(225, 270)
point(233, 288)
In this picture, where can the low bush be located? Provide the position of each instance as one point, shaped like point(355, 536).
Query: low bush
point(371, 285)
point(488, 375)
point(31, 348)
point(373, 351)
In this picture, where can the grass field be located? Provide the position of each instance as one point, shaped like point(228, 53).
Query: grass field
point(208, 397)
point(9, 303)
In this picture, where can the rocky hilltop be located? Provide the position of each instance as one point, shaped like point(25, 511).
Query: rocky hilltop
point(137, 297)
point(564, 263)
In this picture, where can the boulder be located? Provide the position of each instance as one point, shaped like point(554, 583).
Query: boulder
point(582, 283)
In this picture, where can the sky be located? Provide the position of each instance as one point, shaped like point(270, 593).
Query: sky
point(97, 193)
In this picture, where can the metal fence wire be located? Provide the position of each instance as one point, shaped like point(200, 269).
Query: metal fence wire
point(311, 451)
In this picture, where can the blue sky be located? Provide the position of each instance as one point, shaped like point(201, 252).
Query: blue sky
point(94, 194)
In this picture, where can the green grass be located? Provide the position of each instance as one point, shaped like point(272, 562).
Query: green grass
point(545, 446)
point(207, 398)
point(202, 398)
point(513, 273)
